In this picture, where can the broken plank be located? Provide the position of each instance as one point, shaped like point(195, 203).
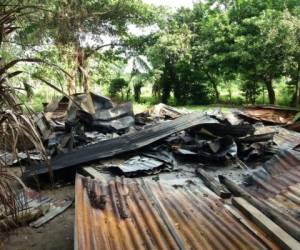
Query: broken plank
point(126, 143)
point(94, 173)
point(24, 218)
point(276, 216)
point(273, 230)
point(55, 209)
point(257, 138)
point(213, 184)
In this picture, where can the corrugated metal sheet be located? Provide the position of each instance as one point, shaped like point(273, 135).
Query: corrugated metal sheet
point(122, 144)
point(270, 114)
point(150, 215)
point(285, 139)
point(278, 185)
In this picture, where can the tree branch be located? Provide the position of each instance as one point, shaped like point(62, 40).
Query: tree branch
point(93, 50)
point(58, 90)
point(32, 60)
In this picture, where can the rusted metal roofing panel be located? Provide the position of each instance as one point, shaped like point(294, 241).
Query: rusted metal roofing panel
point(150, 215)
point(285, 139)
point(278, 185)
point(122, 144)
point(270, 114)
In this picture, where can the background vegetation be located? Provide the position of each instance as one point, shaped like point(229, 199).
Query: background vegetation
point(220, 52)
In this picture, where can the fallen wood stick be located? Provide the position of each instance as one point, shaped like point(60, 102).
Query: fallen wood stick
point(52, 212)
point(241, 164)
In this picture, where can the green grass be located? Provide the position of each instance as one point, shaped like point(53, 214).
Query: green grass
point(138, 108)
point(204, 107)
point(147, 100)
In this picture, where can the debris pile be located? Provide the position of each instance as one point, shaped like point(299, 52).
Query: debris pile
point(88, 127)
point(33, 208)
point(83, 119)
point(170, 178)
point(270, 114)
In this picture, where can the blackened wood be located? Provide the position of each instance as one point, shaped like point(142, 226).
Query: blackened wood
point(273, 230)
point(257, 138)
point(213, 184)
point(275, 216)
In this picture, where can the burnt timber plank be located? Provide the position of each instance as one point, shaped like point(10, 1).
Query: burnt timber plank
point(122, 144)
point(273, 230)
point(266, 209)
point(213, 184)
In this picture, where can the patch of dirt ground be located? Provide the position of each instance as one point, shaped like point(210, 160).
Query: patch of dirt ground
point(55, 235)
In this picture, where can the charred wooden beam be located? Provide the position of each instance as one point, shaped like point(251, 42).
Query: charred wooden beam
point(275, 216)
point(213, 184)
point(256, 138)
point(233, 130)
point(274, 231)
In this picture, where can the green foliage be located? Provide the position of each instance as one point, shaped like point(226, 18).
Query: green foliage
point(218, 52)
point(118, 86)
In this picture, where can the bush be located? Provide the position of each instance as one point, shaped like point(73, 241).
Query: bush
point(199, 94)
point(118, 86)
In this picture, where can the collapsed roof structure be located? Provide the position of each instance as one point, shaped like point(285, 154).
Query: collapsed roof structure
point(173, 179)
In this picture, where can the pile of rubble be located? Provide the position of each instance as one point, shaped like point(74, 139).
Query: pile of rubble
point(154, 172)
point(87, 127)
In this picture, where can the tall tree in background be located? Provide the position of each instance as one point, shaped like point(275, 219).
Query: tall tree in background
point(261, 41)
point(291, 23)
point(195, 54)
point(81, 28)
point(170, 49)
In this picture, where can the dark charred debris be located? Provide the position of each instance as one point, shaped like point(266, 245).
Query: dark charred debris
point(91, 134)
point(87, 128)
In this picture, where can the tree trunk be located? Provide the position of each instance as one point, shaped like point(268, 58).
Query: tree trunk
point(254, 94)
point(270, 89)
point(137, 92)
point(72, 78)
point(215, 86)
point(217, 94)
point(228, 84)
point(71, 85)
point(166, 84)
point(166, 90)
point(82, 68)
point(298, 86)
point(175, 83)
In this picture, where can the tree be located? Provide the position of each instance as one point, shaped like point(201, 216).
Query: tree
point(261, 40)
point(118, 85)
point(169, 51)
point(291, 23)
point(139, 74)
point(17, 129)
point(80, 29)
